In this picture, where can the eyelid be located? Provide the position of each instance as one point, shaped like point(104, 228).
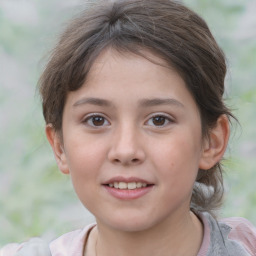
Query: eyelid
point(167, 116)
point(91, 115)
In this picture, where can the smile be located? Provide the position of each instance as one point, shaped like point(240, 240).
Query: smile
point(127, 185)
point(128, 188)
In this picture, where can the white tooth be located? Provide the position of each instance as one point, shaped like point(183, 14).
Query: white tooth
point(122, 185)
point(139, 184)
point(144, 185)
point(131, 185)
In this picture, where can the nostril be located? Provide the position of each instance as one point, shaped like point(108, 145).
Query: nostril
point(132, 161)
point(117, 161)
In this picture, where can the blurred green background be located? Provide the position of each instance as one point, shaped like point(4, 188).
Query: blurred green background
point(35, 199)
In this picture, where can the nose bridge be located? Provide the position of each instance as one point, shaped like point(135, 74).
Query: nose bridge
point(126, 147)
point(127, 138)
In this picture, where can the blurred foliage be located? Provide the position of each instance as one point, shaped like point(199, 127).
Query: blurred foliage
point(35, 199)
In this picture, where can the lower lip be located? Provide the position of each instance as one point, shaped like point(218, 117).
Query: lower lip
point(128, 194)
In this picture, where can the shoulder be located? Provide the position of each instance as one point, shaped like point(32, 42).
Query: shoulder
point(10, 249)
point(69, 244)
point(230, 236)
point(243, 232)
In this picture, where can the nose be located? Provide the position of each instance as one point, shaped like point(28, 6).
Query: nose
point(126, 147)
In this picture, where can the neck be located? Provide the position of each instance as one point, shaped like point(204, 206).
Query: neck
point(174, 238)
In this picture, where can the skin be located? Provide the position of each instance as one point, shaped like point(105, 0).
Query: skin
point(132, 135)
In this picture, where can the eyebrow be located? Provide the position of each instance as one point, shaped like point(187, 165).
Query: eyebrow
point(142, 103)
point(93, 101)
point(160, 101)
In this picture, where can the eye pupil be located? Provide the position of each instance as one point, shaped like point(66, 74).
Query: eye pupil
point(159, 120)
point(98, 120)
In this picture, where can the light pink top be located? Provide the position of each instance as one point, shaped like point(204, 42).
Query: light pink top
point(238, 230)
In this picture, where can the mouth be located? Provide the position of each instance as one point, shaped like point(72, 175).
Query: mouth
point(127, 185)
point(128, 189)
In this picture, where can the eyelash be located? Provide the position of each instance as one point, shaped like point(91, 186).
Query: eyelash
point(167, 120)
point(89, 120)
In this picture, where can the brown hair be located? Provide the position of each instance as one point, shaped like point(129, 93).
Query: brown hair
point(164, 27)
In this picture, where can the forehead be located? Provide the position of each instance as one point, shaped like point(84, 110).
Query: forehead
point(114, 64)
point(131, 79)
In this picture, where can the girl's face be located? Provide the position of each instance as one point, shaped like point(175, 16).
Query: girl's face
point(132, 143)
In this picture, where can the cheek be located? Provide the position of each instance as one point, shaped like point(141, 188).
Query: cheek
point(84, 151)
point(178, 155)
point(85, 161)
point(84, 167)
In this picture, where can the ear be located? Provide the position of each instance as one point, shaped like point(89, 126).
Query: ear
point(57, 146)
point(215, 145)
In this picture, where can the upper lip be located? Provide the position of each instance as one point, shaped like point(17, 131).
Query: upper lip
point(126, 180)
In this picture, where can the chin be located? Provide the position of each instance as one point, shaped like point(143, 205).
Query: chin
point(128, 223)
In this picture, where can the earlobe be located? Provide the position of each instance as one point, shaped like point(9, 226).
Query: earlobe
point(215, 145)
point(57, 146)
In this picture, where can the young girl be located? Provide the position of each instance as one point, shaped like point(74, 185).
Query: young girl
point(132, 98)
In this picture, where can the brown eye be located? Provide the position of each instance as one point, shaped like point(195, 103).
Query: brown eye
point(96, 121)
point(159, 120)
